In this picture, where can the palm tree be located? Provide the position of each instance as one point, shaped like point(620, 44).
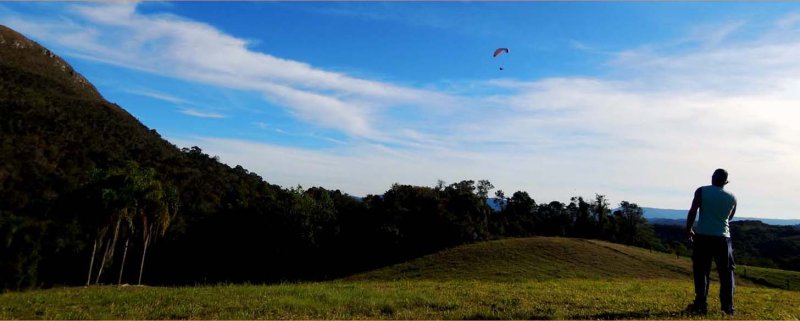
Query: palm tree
point(98, 242)
point(129, 220)
point(130, 193)
point(106, 185)
point(157, 207)
point(119, 196)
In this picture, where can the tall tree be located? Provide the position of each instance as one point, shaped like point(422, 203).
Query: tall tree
point(117, 196)
point(155, 209)
point(633, 228)
point(584, 223)
point(601, 212)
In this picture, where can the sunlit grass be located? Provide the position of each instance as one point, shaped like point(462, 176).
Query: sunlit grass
point(410, 299)
point(771, 277)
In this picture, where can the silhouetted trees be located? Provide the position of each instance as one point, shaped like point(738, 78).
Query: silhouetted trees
point(630, 227)
point(227, 224)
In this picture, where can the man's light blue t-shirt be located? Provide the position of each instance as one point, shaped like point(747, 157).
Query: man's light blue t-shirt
point(715, 208)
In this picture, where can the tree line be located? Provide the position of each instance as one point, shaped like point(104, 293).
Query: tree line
point(209, 222)
point(754, 243)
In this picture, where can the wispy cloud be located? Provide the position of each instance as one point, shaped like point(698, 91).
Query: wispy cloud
point(196, 110)
point(265, 126)
point(710, 35)
point(790, 20)
point(158, 95)
point(201, 114)
point(463, 23)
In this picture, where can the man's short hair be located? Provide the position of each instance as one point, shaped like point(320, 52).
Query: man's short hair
point(720, 175)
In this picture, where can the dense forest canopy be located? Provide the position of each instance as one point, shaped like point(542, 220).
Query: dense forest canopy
point(90, 195)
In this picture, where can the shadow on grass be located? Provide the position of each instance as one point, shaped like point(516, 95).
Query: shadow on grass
point(600, 316)
point(489, 316)
point(766, 283)
point(646, 314)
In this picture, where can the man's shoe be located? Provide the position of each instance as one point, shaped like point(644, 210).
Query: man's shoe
point(729, 312)
point(697, 309)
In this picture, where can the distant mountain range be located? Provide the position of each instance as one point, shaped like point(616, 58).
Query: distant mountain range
point(678, 217)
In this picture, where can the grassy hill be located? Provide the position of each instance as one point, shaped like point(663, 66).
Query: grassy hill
point(540, 258)
point(551, 258)
point(531, 278)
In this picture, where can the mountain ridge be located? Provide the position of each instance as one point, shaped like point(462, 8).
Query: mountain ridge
point(22, 52)
point(674, 215)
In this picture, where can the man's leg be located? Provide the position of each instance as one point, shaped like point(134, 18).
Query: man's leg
point(701, 268)
point(723, 255)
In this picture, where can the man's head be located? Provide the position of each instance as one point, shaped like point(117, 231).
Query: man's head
point(720, 177)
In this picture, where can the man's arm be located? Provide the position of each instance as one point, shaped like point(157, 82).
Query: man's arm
point(692, 215)
point(733, 211)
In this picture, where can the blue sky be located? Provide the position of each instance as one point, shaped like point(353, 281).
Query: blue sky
point(637, 101)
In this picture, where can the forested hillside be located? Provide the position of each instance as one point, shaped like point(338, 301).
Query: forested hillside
point(754, 243)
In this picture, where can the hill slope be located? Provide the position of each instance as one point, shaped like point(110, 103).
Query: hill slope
point(551, 258)
point(537, 258)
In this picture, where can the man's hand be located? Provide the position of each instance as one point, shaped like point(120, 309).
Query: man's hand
point(696, 203)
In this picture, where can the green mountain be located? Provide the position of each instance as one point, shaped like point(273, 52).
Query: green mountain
point(56, 128)
point(60, 142)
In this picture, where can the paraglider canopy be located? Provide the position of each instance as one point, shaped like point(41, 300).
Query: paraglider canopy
point(498, 51)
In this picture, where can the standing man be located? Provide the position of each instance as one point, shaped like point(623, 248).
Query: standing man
point(712, 239)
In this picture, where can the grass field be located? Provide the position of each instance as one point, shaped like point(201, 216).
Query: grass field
point(789, 280)
point(535, 278)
